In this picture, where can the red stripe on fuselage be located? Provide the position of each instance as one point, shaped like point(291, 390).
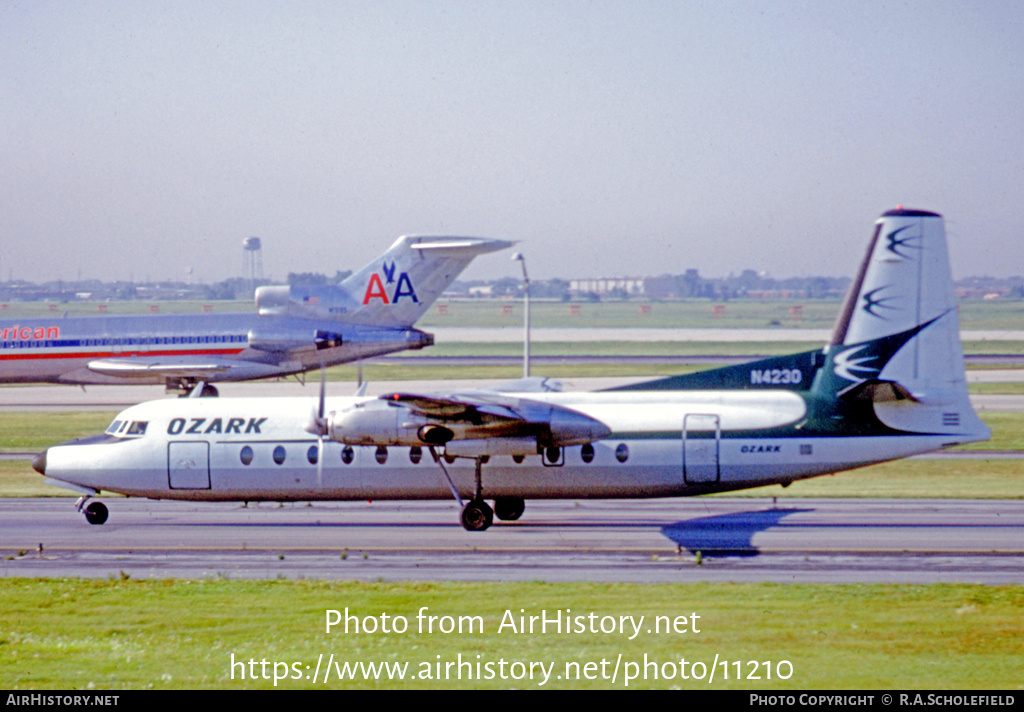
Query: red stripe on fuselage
point(121, 354)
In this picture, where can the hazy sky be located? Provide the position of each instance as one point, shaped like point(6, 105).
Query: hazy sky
point(611, 138)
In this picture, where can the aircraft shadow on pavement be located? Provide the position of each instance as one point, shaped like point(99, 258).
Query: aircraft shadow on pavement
point(726, 534)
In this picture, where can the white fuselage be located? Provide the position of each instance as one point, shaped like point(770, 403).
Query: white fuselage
point(661, 444)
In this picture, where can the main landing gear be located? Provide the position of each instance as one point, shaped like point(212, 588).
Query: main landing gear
point(509, 508)
point(95, 513)
point(477, 515)
point(192, 388)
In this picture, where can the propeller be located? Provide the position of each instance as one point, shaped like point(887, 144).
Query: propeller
point(361, 384)
point(318, 426)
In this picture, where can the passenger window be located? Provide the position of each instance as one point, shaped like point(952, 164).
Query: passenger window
point(622, 452)
point(246, 455)
point(587, 453)
point(279, 454)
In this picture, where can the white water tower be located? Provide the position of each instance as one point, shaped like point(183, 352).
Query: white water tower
point(252, 261)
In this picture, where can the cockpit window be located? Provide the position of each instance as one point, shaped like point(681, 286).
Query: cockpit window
point(126, 428)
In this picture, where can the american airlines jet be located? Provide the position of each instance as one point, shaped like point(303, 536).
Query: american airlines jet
point(295, 329)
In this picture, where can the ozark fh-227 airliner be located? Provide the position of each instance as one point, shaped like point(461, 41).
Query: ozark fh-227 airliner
point(295, 329)
point(889, 384)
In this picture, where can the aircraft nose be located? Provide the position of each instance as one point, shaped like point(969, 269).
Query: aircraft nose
point(39, 463)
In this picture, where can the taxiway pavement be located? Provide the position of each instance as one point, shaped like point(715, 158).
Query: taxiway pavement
point(650, 541)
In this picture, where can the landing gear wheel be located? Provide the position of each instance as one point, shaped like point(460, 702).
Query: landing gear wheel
point(509, 508)
point(477, 515)
point(207, 391)
point(96, 513)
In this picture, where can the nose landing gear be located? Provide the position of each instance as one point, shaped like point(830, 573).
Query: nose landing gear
point(95, 513)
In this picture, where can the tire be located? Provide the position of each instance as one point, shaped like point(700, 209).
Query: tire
point(96, 513)
point(477, 516)
point(509, 509)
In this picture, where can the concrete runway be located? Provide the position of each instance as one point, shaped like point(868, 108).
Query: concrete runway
point(649, 541)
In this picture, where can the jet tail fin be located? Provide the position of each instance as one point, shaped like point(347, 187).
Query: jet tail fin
point(394, 290)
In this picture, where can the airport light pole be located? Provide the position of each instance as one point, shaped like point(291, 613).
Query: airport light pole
point(518, 257)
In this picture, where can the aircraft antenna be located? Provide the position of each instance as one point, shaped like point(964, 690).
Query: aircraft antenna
point(518, 257)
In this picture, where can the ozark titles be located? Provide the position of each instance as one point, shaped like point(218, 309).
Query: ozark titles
point(201, 426)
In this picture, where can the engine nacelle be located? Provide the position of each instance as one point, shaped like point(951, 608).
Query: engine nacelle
point(280, 340)
point(272, 300)
point(571, 428)
point(291, 340)
point(381, 422)
point(309, 301)
point(375, 423)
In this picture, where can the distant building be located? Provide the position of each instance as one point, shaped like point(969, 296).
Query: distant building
point(608, 286)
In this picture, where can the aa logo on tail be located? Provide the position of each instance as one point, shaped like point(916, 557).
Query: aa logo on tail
point(403, 287)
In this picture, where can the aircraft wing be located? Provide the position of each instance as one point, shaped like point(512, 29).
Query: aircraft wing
point(471, 410)
point(467, 423)
point(164, 367)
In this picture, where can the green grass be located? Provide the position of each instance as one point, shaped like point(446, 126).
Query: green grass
point(34, 432)
point(695, 313)
point(1007, 431)
point(940, 479)
point(126, 634)
point(744, 349)
point(1001, 389)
